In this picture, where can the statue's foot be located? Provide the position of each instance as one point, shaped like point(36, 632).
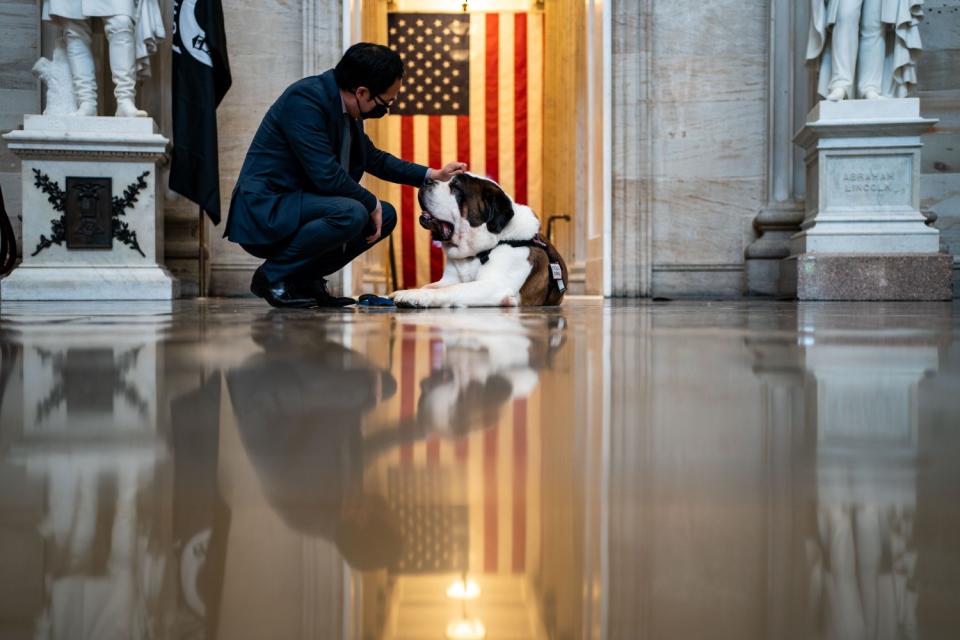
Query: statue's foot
point(837, 94)
point(86, 109)
point(126, 109)
point(871, 94)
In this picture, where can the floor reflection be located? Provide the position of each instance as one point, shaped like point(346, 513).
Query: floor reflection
point(219, 470)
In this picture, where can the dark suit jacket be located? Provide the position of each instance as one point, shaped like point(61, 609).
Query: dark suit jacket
point(297, 149)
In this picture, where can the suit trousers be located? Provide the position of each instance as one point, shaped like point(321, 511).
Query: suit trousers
point(332, 232)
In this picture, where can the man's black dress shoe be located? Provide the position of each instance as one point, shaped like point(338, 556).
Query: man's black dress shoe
point(279, 294)
point(317, 289)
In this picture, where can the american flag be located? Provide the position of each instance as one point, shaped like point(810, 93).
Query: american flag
point(494, 472)
point(473, 92)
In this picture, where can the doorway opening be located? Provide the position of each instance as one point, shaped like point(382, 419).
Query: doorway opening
point(517, 89)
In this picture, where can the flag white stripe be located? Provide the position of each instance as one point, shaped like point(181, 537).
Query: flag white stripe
point(478, 155)
point(535, 114)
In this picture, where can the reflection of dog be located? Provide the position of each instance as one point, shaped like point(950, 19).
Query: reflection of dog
point(495, 254)
point(487, 361)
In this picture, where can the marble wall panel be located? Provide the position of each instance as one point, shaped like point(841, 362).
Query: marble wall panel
point(705, 221)
point(941, 146)
point(940, 34)
point(676, 281)
point(740, 75)
point(940, 193)
point(714, 27)
point(707, 134)
point(714, 139)
point(631, 110)
point(630, 250)
point(940, 28)
point(939, 84)
point(19, 94)
point(265, 40)
point(18, 45)
point(941, 152)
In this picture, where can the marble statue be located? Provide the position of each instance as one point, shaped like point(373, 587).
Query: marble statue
point(865, 48)
point(55, 74)
point(133, 29)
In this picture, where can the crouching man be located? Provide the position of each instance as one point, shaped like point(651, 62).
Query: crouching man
point(298, 203)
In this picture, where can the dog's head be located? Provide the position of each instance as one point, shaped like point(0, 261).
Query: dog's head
point(466, 214)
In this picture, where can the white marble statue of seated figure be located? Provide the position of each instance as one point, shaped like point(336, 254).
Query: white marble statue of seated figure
point(133, 29)
point(873, 42)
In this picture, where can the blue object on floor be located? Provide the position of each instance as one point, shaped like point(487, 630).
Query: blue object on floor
point(371, 300)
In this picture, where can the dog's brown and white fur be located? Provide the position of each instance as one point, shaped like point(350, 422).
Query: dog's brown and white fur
point(470, 215)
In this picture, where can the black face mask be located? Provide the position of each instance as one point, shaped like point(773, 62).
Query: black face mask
point(377, 111)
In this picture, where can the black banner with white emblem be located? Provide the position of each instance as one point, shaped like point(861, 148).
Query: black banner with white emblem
point(201, 77)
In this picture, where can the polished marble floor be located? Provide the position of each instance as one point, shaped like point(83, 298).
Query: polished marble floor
point(735, 470)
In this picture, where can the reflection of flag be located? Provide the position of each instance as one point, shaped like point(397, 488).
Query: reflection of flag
point(471, 93)
point(201, 77)
point(499, 465)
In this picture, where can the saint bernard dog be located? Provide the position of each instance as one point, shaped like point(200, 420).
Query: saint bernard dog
point(495, 254)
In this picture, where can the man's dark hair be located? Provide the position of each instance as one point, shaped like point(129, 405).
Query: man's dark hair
point(369, 65)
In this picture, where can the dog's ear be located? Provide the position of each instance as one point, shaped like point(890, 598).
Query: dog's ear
point(482, 202)
point(499, 209)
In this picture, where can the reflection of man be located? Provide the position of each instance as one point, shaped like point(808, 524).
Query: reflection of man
point(870, 45)
point(299, 406)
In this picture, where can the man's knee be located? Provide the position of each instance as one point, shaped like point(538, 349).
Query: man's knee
point(352, 216)
point(389, 218)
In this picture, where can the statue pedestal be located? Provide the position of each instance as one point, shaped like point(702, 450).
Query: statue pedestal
point(92, 229)
point(863, 236)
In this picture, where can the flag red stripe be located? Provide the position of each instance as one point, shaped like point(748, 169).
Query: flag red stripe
point(436, 363)
point(433, 126)
point(490, 520)
point(435, 140)
point(408, 380)
point(520, 485)
point(520, 107)
point(492, 97)
point(407, 232)
point(460, 450)
point(433, 451)
point(463, 139)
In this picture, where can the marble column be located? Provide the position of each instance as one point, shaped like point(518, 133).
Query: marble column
point(631, 250)
point(788, 99)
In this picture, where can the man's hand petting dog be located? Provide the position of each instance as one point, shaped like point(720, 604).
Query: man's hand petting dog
point(449, 170)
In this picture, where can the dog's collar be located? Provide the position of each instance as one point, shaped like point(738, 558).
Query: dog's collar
point(535, 241)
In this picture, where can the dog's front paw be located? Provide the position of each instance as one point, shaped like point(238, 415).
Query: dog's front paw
point(412, 298)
